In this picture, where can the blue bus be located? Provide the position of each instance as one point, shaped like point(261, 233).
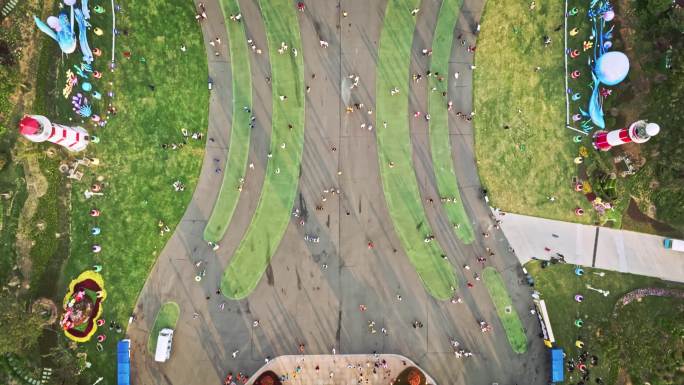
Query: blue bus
point(557, 374)
point(123, 360)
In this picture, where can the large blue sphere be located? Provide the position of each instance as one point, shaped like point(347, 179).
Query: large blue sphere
point(612, 68)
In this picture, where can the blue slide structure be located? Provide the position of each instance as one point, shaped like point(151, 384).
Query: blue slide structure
point(123, 362)
point(608, 68)
point(85, 10)
point(83, 37)
point(61, 29)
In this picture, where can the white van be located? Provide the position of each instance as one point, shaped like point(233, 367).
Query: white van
point(164, 341)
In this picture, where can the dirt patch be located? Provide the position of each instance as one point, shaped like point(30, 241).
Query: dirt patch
point(37, 186)
point(632, 150)
point(636, 215)
point(623, 377)
point(46, 308)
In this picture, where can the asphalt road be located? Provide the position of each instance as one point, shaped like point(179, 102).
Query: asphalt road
point(311, 293)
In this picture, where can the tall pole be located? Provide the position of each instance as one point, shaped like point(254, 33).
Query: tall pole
point(113, 28)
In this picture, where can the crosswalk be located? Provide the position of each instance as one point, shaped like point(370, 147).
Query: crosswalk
point(8, 7)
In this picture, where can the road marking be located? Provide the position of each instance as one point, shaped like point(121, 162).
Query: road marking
point(593, 261)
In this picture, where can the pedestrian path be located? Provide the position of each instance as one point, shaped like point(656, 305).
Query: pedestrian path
point(234, 167)
point(351, 369)
point(604, 248)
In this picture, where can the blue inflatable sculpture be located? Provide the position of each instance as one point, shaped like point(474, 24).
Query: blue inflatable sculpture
point(595, 107)
point(60, 30)
point(82, 37)
point(612, 68)
point(85, 10)
point(609, 68)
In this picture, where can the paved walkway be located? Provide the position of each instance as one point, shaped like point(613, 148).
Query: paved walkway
point(350, 369)
point(600, 247)
point(311, 292)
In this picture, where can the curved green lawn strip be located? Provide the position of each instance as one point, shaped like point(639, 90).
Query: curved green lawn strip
point(502, 302)
point(238, 151)
point(394, 144)
point(167, 316)
point(447, 183)
point(279, 190)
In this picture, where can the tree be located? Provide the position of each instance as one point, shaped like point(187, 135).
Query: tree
point(19, 328)
point(67, 364)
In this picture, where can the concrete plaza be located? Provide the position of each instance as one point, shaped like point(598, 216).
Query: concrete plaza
point(311, 293)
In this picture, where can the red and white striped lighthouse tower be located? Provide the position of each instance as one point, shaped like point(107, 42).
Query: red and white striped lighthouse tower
point(638, 132)
point(37, 128)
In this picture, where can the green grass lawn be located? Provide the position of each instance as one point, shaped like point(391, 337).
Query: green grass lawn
point(11, 179)
point(656, 355)
point(234, 170)
point(282, 173)
point(533, 159)
point(504, 308)
point(442, 162)
point(136, 172)
point(166, 318)
point(39, 221)
point(394, 145)
point(645, 338)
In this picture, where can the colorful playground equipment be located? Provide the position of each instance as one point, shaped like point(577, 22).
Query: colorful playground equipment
point(61, 29)
point(609, 68)
point(82, 36)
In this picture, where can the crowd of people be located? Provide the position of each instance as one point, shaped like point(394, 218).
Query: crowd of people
point(299, 214)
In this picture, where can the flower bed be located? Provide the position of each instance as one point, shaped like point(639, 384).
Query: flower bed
point(83, 306)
